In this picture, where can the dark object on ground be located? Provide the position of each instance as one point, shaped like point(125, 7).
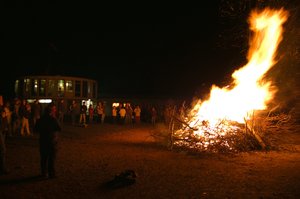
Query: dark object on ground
point(126, 178)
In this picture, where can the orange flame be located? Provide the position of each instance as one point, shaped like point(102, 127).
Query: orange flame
point(250, 91)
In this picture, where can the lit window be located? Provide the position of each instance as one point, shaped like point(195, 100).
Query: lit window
point(17, 86)
point(84, 89)
point(61, 88)
point(42, 88)
point(34, 87)
point(51, 87)
point(77, 88)
point(69, 86)
point(27, 85)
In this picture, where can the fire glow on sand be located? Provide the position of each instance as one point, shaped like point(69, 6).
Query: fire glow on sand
point(228, 109)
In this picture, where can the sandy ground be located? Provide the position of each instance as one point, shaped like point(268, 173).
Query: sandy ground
point(91, 157)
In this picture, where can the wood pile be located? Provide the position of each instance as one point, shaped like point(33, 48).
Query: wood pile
point(251, 136)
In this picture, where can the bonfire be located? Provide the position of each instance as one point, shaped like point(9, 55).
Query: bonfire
point(225, 121)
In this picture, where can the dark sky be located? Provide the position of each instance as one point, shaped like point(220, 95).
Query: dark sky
point(131, 50)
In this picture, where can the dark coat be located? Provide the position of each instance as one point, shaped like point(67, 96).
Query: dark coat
point(47, 127)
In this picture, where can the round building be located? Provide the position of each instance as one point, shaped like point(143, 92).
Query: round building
point(49, 89)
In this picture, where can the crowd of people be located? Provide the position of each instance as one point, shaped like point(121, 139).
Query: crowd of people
point(24, 119)
point(21, 116)
point(19, 120)
point(121, 114)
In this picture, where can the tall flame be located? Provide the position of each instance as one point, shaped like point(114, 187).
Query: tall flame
point(249, 91)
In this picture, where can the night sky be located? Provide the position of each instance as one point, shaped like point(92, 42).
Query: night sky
point(131, 50)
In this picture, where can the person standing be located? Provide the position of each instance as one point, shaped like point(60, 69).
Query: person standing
point(8, 114)
point(153, 116)
point(3, 169)
point(16, 117)
point(137, 114)
point(48, 127)
point(62, 110)
point(114, 114)
point(122, 113)
point(73, 111)
point(103, 114)
point(3, 126)
point(36, 111)
point(82, 119)
point(91, 114)
point(128, 116)
point(100, 112)
point(26, 112)
point(25, 120)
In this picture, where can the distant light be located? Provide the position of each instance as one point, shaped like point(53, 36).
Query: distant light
point(45, 101)
point(116, 104)
point(30, 100)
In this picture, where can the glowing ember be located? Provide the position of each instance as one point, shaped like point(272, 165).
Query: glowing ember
point(234, 104)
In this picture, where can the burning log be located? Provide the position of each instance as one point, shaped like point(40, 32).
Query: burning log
point(256, 135)
point(185, 123)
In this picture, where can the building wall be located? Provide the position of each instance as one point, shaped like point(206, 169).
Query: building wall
point(56, 88)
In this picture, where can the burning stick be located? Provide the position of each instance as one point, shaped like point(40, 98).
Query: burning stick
point(257, 137)
point(185, 123)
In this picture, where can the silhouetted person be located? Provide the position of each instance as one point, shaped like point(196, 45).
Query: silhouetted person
point(62, 110)
point(114, 114)
point(153, 116)
point(48, 128)
point(3, 124)
point(91, 113)
point(137, 114)
point(74, 110)
point(82, 118)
